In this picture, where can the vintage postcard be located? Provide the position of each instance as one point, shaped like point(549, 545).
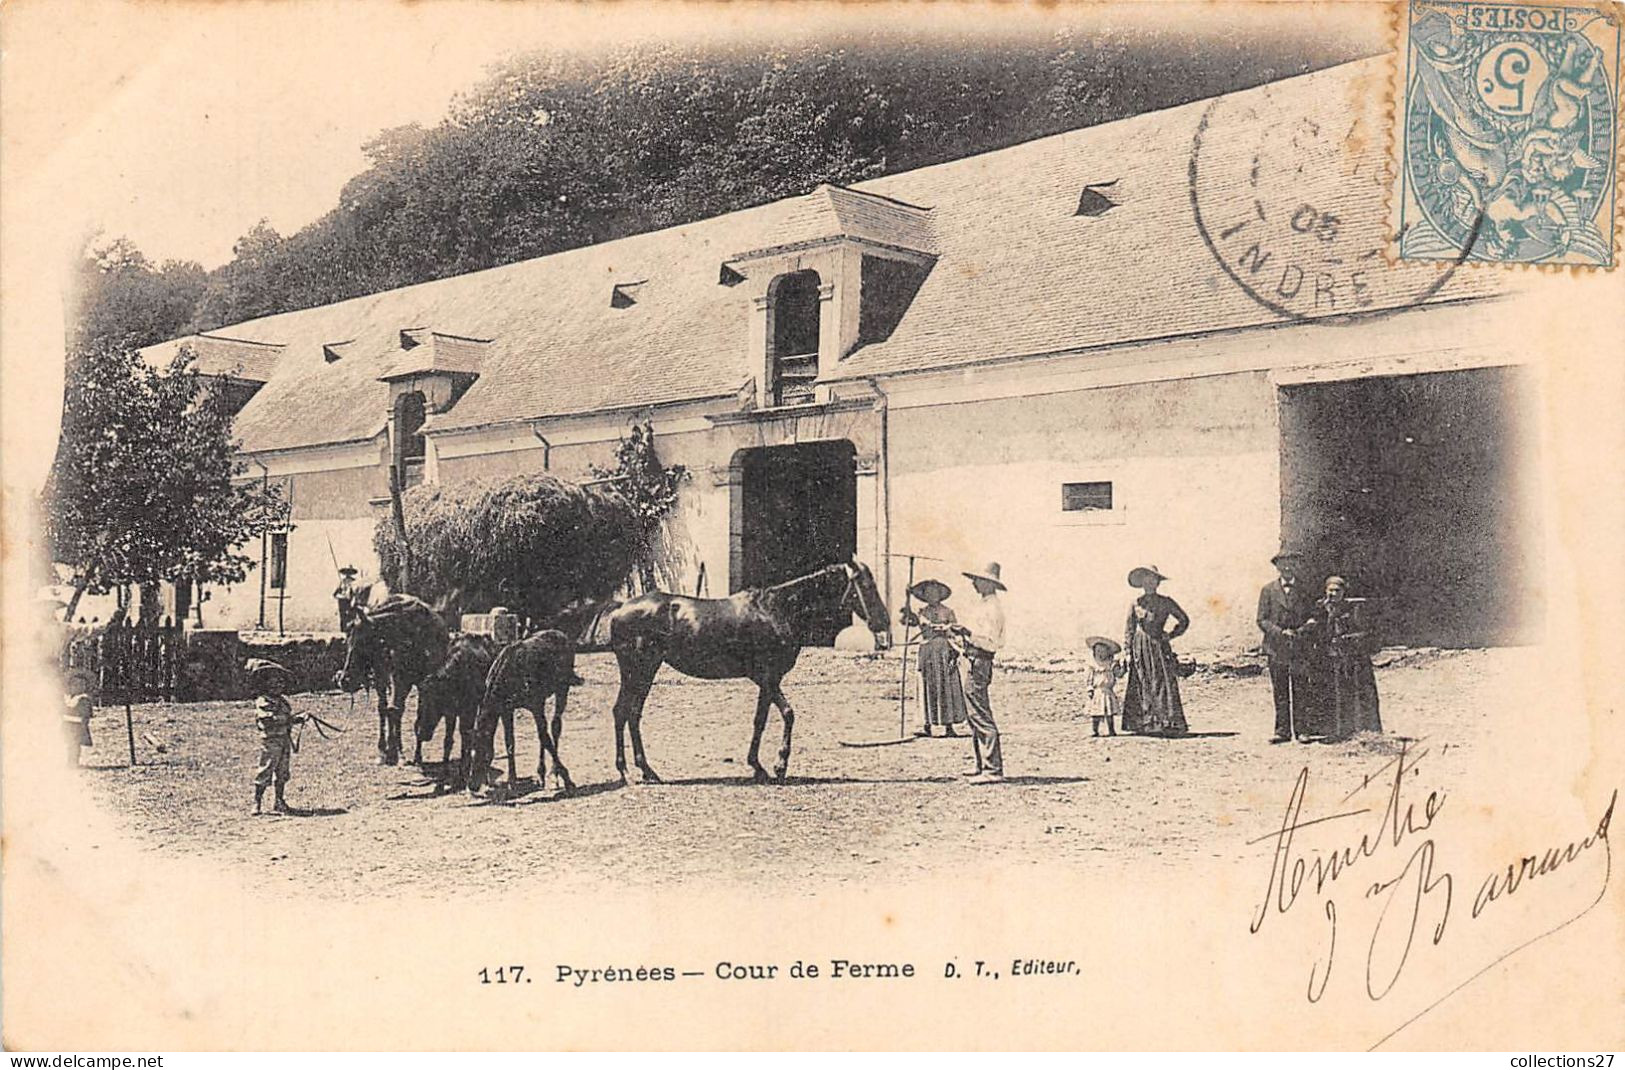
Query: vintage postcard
point(812, 527)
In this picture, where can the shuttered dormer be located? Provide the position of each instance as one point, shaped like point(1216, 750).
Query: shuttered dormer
point(836, 271)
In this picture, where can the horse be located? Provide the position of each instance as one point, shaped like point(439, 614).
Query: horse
point(756, 634)
point(452, 694)
point(527, 674)
point(396, 645)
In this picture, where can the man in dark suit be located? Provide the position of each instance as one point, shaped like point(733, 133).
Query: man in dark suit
point(1283, 606)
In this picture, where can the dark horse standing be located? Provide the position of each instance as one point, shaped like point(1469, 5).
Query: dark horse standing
point(452, 694)
point(755, 635)
point(526, 674)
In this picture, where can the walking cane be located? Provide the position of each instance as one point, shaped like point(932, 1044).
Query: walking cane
point(902, 683)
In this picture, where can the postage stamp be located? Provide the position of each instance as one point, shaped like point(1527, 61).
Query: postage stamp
point(1509, 133)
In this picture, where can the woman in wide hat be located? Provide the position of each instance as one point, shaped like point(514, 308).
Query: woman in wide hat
point(943, 695)
point(1151, 701)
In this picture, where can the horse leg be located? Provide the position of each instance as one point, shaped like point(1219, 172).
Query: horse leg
point(636, 678)
point(544, 741)
point(763, 699)
point(560, 697)
point(458, 774)
point(383, 727)
point(547, 738)
point(444, 779)
point(635, 723)
point(393, 756)
point(507, 736)
point(789, 716)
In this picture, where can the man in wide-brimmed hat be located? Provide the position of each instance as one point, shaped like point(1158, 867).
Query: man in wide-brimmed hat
point(981, 625)
point(1283, 606)
point(345, 595)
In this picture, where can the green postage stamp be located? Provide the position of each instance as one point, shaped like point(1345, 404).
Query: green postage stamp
point(1509, 132)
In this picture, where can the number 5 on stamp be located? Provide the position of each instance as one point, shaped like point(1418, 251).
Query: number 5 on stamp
point(1508, 139)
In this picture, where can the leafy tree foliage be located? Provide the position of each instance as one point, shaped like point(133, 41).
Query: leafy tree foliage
point(553, 151)
point(651, 489)
point(143, 489)
point(123, 300)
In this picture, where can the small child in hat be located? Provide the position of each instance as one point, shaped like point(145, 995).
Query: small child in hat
point(1100, 683)
point(275, 719)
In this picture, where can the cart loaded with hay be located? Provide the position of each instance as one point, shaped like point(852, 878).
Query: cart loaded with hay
point(499, 557)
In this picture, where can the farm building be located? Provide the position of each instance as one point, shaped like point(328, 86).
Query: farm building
point(1043, 356)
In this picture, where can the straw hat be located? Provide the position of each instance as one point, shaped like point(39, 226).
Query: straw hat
point(1288, 555)
point(991, 575)
point(265, 671)
point(349, 570)
point(1113, 645)
point(929, 591)
point(1138, 576)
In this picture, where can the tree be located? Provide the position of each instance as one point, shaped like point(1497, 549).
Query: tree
point(651, 489)
point(144, 487)
point(122, 299)
point(552, 152)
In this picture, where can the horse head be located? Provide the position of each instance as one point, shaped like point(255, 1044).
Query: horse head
point(863, 597)
point(483, 750)
point(360, 653)
point(456, 684)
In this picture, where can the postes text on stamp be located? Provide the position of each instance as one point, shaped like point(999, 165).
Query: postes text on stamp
point(1508, 132)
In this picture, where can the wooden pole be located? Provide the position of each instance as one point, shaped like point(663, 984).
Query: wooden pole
point(902, 686)
point(127, 652)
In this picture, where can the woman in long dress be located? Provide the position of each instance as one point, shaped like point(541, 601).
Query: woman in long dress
point(942, 691)
point(1345, 683)
point(1151, 702)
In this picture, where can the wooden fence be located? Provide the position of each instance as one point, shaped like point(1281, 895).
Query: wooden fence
point(129, 662)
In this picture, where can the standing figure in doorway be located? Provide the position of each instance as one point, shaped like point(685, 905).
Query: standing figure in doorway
point(982, 629)
point(1151, 702)
point(345, 595)
point(1344, 679)
point(1283, 607)
point(942, 694)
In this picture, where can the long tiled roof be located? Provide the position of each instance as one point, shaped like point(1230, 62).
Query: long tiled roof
point(1018, 272)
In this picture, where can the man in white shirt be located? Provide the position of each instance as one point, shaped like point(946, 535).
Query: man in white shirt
point(981, 625)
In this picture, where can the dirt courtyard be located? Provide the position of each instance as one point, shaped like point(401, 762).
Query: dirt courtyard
point(1070, 799)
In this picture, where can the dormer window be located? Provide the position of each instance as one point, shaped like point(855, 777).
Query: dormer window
point(793, 313)
point(1093, 200)
point(624, 294)
point(410, 411)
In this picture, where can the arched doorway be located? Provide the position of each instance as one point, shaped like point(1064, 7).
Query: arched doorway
point(796, 510)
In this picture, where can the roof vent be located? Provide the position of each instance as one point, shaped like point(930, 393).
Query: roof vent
point(1093, 202)
point(728, 276)
point(624, 294)
point(333, 351)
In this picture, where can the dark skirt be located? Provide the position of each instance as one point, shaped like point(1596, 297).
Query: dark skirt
point(1348, 697)
point(1151, 702)
point(944, 694)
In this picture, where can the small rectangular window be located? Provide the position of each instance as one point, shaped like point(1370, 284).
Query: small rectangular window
point(279, 559)
point(1078, 497)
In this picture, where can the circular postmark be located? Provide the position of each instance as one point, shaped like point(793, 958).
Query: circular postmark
point(1289, 193)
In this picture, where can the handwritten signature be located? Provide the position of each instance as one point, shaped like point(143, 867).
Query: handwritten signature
point(1421, 888)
